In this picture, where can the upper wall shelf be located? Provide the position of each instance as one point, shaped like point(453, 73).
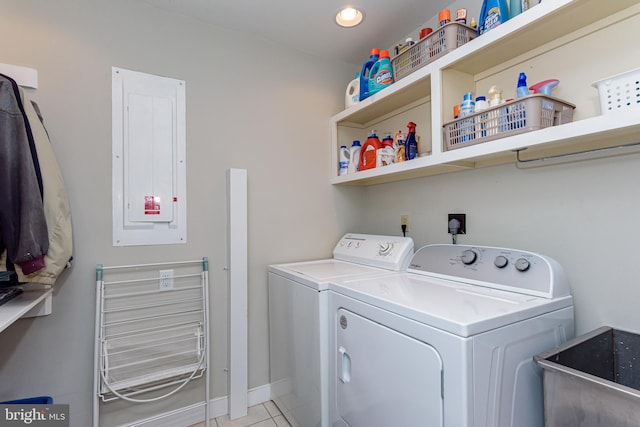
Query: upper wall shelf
point(544, 39)
point(25, 77)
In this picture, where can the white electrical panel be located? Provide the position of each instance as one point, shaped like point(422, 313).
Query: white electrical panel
point(149, 159)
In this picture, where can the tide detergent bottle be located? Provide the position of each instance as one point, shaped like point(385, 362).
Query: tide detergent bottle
point(492, 14)
point(368, 151)
point(381, 74)
point(364, 74)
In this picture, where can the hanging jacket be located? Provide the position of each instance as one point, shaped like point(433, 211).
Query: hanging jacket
point(54, 202)
point(23, 228)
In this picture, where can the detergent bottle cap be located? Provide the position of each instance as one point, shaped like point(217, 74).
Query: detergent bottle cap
point(375, 51)
point(444, 16)
point(384, 54)
point(481, 98)
point(387, 141)
point(411, 126)
point(356, 143)
point(467, 97)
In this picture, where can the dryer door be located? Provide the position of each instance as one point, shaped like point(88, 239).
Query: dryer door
point(385, 378)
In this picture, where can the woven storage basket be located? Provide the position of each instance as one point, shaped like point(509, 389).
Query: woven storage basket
point(522, 115)
point(438, 43)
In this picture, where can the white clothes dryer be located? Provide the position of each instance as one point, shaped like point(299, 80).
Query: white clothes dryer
point(298, 319)
point(449, 343)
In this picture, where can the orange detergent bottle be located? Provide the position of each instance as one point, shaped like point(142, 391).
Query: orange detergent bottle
point(368, 151)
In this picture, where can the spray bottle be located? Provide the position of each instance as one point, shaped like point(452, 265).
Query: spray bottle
point(412, 143)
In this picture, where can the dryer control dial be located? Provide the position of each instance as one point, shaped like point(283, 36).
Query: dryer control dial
point(501, 261)
point(522, 264)
point(385, 248)
point(468, 257)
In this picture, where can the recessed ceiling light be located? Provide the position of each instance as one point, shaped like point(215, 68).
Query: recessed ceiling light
point(349, 17)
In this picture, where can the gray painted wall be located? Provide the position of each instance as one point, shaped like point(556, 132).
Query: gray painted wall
point(248, 107)
point(250, 104)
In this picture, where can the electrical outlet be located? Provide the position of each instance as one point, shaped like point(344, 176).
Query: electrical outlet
point(463, 222)
point(404, 220)
point(166, 280)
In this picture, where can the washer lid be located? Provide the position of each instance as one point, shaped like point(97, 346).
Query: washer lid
point(459, 308)
point(317, 274)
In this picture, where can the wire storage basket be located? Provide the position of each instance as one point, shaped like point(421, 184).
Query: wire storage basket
point(438, 43)
point(522, 115)
point(619, 92)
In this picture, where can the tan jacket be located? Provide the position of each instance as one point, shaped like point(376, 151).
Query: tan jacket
point(56, 206)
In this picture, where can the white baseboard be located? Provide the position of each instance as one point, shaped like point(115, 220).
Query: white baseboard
point(194, 414)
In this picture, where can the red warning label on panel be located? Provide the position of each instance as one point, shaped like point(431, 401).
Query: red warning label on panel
point(151, 205)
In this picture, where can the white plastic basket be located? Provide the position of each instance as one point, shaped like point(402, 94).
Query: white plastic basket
point(619, 92)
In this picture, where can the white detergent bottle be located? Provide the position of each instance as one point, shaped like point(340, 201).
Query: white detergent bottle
point(354, 157)
point(343, 160)
point(352, 95)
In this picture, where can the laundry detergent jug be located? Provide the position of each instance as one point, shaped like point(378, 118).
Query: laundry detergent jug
point(368, 151)
point(381, 74)
point(366, 70)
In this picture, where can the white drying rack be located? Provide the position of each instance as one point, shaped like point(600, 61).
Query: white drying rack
point(151, 331)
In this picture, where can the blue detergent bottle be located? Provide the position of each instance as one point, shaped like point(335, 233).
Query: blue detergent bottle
point(381, 74)
point(364, 74)
point(492, 14)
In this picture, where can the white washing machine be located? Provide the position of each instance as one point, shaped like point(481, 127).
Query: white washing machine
point(448, 343)
point(298, 319)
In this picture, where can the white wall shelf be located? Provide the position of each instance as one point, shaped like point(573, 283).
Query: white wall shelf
point(543, 41)
point(34, 301)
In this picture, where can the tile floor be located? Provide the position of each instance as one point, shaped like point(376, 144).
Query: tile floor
point(265, 414)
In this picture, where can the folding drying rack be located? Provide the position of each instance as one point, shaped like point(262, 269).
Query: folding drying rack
point(151, 331)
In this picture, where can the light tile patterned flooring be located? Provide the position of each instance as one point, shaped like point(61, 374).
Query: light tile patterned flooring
point(265, 414)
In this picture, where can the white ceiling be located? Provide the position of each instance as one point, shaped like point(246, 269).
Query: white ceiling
point(310, 25)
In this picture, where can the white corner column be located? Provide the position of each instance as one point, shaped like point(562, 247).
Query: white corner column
point(238, 319)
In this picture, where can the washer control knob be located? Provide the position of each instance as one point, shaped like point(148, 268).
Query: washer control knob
point(385, 248)
point(522, 264)
point(468, 257)
point(501, 261)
